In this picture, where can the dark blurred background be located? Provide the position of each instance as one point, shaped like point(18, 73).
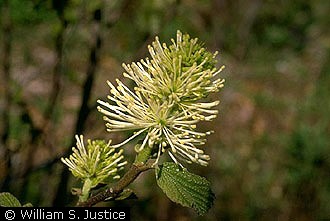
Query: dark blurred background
point(271, 147)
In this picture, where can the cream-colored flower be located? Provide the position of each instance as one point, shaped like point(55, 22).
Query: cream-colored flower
point(163, 124)
point(97, 163)
point(184, 71)
point(166, 105)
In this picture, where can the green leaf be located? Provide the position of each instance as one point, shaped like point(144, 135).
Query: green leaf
point(185, 188)
point(8, 200)
point(28, 205)
point(126, 194)
point(143, 155)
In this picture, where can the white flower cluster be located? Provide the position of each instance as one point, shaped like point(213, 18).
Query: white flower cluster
point(165, 105)
point(97, 163)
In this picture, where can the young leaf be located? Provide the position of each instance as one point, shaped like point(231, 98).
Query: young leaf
point(8, 200)
point(185, 188)
point(126, 194)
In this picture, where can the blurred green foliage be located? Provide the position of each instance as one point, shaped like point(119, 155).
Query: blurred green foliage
point(271, 148)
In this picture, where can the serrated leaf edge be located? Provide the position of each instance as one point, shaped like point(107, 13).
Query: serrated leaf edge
point(205, 198)
point(9, 199)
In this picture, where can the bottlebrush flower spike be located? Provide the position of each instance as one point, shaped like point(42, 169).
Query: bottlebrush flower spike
point(183, 71)
point(97, 163)
point(165, 105)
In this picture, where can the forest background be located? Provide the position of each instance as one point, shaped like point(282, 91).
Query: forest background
point(270, 153)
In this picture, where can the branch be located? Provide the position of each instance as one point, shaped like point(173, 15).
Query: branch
point(57, 75)
point(7, 39)
point(84, 109)
point(113, 192)
point(6, 64)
